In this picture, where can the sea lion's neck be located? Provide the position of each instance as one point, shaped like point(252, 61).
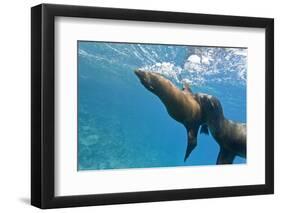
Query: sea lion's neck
point(168, 93)
point(180, 105)
point(216, 125)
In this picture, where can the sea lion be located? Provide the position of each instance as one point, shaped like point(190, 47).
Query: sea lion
point(230, 135)
point(180, 104)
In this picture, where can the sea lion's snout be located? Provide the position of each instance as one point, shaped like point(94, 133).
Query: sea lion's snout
point(140, 74)
point(145, 79)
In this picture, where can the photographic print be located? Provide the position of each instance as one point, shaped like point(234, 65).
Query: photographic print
point(159, 113)
point(160, 105)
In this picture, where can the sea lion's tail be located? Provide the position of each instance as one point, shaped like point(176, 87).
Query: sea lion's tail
point(204, 129)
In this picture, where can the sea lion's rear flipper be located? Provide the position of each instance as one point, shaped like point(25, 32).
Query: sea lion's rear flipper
point(225, 157)
point(191, 141)
point(204, 129)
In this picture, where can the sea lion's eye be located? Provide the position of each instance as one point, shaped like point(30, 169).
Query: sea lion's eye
point(213, 104)
point(151, 87)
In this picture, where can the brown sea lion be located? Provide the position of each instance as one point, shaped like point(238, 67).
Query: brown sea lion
point(180, 104)
point(230, 135)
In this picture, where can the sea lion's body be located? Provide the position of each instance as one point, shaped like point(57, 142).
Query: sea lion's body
point(230, 135)
point(180, 104)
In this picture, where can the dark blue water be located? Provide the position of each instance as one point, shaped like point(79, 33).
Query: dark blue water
point(123, 125)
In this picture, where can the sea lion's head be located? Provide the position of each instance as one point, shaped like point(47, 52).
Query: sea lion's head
point(210, 105)
point(154, 82)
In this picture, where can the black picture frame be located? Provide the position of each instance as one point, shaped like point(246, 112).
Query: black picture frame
point(43, 102)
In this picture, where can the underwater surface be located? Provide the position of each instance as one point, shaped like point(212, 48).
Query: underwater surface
point(123, 125)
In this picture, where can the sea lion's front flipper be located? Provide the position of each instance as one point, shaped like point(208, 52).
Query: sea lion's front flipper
point(186, 88)
point(225, 157)
point(191, 141)
point(204, 129)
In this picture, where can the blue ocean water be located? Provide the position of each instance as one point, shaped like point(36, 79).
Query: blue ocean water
point(123, 125)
